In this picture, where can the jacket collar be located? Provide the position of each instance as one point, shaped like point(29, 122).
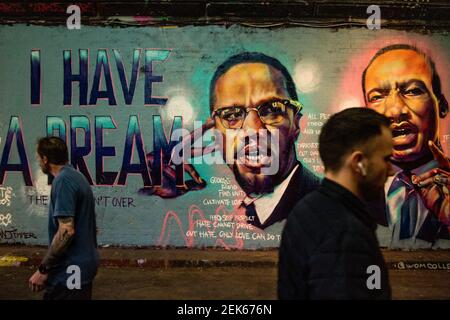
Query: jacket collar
point(348, 199)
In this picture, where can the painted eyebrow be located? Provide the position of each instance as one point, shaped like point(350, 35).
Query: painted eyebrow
point(379, 89)
point(404, 84)
point(260, 102)
point(418, 82)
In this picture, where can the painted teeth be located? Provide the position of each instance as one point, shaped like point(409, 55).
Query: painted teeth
point(254, 158)
point(400, 132)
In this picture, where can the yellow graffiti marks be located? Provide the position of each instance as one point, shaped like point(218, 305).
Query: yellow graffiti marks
point(11, 261)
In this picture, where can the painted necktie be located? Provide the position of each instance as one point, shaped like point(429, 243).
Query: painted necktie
point(250, 212)
point(408, 211)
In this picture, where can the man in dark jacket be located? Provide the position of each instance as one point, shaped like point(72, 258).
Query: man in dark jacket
point(329, 249)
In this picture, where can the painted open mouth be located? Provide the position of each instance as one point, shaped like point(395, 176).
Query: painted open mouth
point(254, 157)
point(401, 132)
point(404, 136)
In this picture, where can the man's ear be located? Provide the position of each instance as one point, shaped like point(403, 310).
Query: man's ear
point(297, 118)
point(355, 161)
point(443, 106)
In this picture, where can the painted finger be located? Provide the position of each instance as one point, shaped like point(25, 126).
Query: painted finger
point(429, 174)
point(205, 127)
point(192, 185)
point(198, 152)
point(441, 180)
point(439, 156)
point(193, 173)
point(426, 182)
point(195, 135)
point(148, 191)
point(169, 172)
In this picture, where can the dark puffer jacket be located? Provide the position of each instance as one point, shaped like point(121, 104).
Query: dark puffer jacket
point(327, 245)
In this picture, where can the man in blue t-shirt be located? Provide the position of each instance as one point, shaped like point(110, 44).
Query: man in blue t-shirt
point(71, 262)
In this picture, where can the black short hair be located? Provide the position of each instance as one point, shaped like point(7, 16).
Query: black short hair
point(251, 57)
point(347, 130)
point(54, 148)
point(435, 79)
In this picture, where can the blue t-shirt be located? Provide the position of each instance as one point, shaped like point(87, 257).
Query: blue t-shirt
point(71, 196)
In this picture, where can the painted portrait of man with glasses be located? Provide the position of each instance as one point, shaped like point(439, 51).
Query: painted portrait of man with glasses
point(255, 112)
point(254, 94)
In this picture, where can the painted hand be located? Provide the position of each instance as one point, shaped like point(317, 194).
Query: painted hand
point(168, 187)
point(434, 186)
point(37, 281)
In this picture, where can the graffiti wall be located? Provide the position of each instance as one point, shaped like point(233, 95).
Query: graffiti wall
point(207, 136)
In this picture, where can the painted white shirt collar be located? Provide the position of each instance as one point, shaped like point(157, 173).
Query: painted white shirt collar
point(265, 204)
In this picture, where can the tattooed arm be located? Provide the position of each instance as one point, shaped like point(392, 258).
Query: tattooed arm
point(59, 245)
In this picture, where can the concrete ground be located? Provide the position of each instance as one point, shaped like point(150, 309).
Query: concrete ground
point(130, 273)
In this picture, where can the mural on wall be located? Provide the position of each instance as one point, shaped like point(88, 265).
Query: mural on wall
point(203, 143)
point(403, 83)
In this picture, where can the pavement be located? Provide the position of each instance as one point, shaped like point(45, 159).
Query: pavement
point(210, 274)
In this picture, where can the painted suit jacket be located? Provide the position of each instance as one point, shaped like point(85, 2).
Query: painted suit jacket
point(303, 182)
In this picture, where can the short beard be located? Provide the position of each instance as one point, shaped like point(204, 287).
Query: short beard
point(369, 193)
point(46, 169)
point(254, 183)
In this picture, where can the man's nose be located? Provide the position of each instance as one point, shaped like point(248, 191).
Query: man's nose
point(253, 121)
point(395, 107)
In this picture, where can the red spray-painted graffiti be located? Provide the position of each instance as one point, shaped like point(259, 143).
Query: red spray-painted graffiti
point(233, 221)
